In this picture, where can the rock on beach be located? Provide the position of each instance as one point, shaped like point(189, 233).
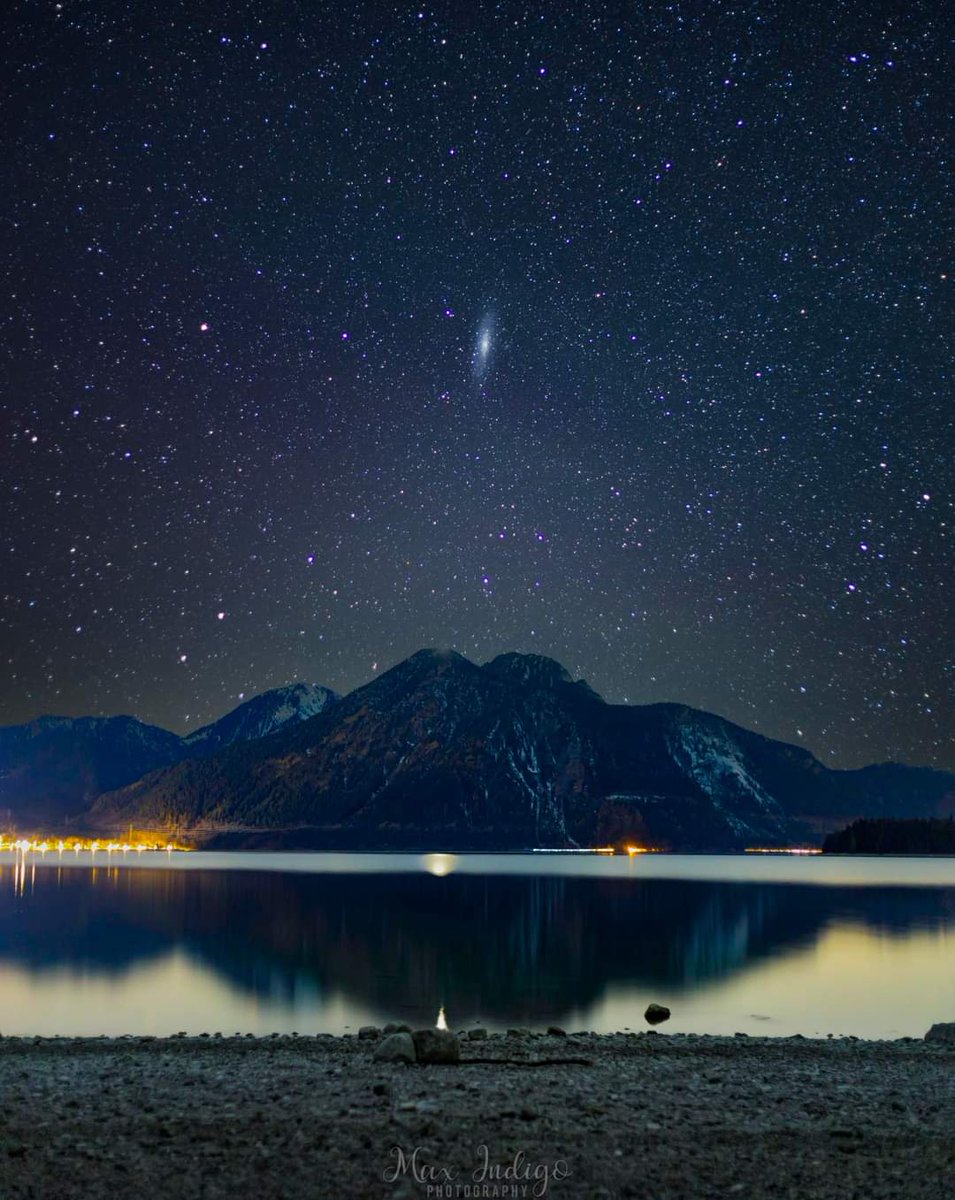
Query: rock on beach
point(656, 1013)
point(436, 1046)
point(396, 1047)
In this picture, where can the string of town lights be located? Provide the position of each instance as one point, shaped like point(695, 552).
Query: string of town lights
point(91, 846)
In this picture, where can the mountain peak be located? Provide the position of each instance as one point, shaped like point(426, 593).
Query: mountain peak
point(263, 714)
point(435, 655)
point(532, 670)
point(423, 669)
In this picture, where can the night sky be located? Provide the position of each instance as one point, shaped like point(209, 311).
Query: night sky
point(616, 333)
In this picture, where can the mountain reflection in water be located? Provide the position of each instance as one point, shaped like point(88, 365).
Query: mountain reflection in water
point(500, 949)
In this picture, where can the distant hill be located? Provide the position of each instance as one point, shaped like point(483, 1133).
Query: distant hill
point(53, 768)
point(442, 753)
point(262, 715)
point(916, 836)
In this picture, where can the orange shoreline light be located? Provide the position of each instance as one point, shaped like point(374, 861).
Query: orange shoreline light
point(43, 846)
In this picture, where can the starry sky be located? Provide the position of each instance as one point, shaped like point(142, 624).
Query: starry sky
point(619, 333)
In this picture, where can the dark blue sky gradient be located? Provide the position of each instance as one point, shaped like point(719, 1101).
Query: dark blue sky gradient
point(249, 432)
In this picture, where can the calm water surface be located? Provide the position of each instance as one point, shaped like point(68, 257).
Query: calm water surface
point(265, 943)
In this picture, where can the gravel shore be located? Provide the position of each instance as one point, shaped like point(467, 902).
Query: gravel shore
point(649, 1115)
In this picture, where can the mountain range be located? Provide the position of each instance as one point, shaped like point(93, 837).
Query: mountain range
point(442, 753)
point(53, 768)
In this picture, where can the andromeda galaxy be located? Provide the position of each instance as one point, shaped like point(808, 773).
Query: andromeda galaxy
point(483, 348)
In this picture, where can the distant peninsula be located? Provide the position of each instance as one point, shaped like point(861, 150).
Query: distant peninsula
point(920, 835)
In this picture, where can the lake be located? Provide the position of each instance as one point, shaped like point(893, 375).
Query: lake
point(261, 943)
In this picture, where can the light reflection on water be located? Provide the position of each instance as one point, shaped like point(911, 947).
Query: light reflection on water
point(316, 942)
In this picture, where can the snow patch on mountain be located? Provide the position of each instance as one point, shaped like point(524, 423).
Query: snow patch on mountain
point(713, 761)
point(262, 715)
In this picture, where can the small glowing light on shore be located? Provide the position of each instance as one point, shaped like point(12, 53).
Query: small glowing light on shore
point(442, 1021)
point(440, 864)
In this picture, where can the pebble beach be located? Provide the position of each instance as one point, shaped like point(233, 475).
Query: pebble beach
point(648, 1115)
